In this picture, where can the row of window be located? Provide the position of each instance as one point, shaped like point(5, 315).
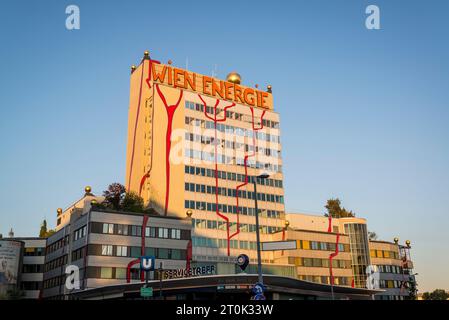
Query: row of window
point(390, 269)
point(343, 281)
point(222, 243)
point(228, 129)
point(150, 232)
point(390, 284)
point(135, 252)
point(55, 263)
point(319, 263)
point(32, 268)
point(232, 176)
point(384, 254)
point(31, 252)
point(80, 233)
point(79, 253)
point(318, 245)
point(55, 281)
point(230, 192)
point(223, 159)
point(221, 225)
point(57, 245)
point(229, 114)
point(233, 145)
point(212, 207)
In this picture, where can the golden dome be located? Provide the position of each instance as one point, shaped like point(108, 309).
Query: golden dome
point(396, 240)
point(189, 213)
point(287, 223)
point(59, 211)
point(87, 189)
point(146, 53)
point(234, 77)
point(407, 242)
point(133, 67)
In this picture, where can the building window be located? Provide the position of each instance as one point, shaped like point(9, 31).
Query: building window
point(108, 228)
point(120, 273)
point(136, 231)
point(122, 251)
point(163, 233)
point(106, 273)
point(106, 250)
point(150, 232)
point(162, 253)
point(305, 245)
point(122, 229)
point(175, 234)
point(176, 254)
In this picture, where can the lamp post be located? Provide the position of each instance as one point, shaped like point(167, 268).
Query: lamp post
point(259, 259)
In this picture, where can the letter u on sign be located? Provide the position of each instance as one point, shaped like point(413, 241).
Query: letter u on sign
point(147, 263)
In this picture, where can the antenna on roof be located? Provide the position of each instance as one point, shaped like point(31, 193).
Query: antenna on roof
point(214, 71)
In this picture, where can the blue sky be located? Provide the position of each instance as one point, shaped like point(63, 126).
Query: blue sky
point(364, 113)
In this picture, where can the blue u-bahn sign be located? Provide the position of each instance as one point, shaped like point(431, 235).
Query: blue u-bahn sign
point(147, 263)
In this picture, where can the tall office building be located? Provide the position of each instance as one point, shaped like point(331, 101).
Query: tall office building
point(195, 146)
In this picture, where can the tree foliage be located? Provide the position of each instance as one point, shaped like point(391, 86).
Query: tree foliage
point(437, 294)
point(44, 232)
point(132, 202)
point(334, 209)
point(117, 198)
point(372, 235)
point(114, 195)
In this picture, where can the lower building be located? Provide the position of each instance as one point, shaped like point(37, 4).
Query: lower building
point(105, 247)
point(22, 266)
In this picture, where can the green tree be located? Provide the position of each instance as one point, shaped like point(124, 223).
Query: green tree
point(372, 235)
point(114, 195)
point(437, 294)
point(335, 210)
point(44, 232)
point(132, 202)
point(412, 289)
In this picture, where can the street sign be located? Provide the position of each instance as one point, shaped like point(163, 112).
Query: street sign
point(147, 263)
point(258, 289)
point(242, 261)
point(259, 297)
point(146, 292)
point(278, 245)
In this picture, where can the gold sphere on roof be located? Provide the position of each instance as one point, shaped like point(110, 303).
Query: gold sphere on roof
point(93, 201)
point(59, 211)
point(396, 240)
point(146, 53)
point(169, 62)
point(407, 242)
point(269, 88)
point(189, 213)
point(133, 67)
point(234, 77)
point(287, 223)
point(87, 189)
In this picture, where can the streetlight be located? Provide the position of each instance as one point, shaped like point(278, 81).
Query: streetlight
point(259, 259)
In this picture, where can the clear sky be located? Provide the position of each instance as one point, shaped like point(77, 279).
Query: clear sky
point(364, 113)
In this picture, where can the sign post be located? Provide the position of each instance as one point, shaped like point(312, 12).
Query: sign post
point(147, 265)
point(146, 292)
